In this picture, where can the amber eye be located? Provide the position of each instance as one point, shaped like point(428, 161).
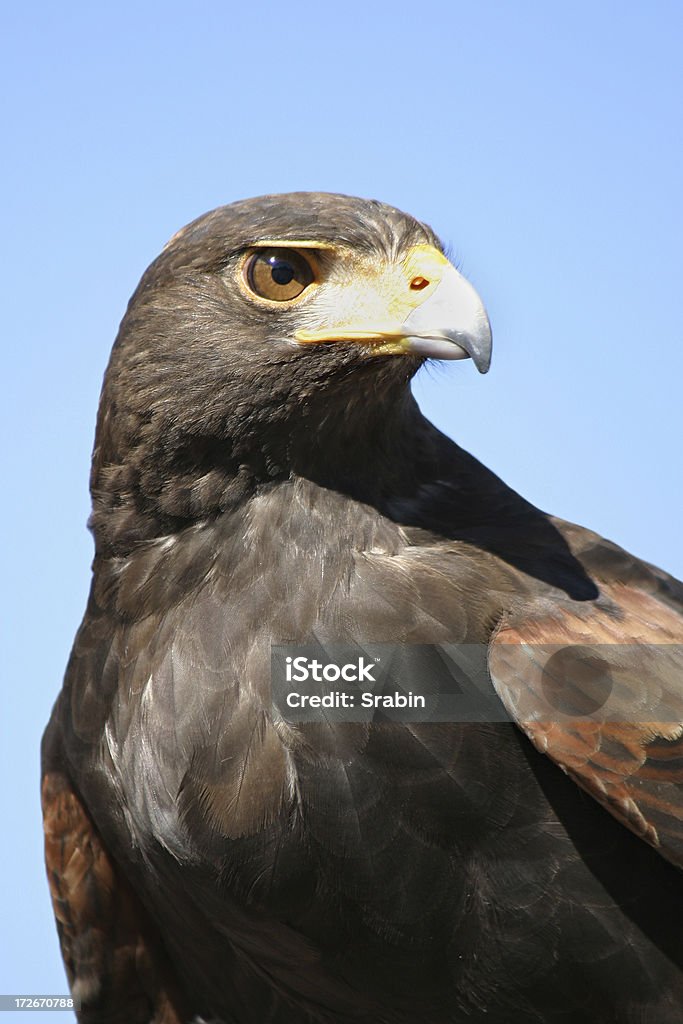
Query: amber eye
point(278, 274)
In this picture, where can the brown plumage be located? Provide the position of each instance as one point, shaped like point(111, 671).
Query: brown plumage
point(262, 475)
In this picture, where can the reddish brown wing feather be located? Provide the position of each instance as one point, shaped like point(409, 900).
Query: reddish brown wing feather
point(115, 964)
point(599, 688)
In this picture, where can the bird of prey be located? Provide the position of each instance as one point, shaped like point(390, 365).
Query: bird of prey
point(263, 477)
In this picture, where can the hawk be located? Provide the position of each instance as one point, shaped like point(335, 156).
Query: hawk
point(262, 476)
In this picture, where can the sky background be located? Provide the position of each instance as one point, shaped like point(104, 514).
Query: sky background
point(541, 141)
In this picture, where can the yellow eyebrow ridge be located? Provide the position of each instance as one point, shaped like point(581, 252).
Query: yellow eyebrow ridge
point(294, 243)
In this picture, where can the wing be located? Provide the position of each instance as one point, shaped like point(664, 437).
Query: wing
point(598, 687)
point(114, 958)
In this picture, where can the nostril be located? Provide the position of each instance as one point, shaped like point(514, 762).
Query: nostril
point(418, 283)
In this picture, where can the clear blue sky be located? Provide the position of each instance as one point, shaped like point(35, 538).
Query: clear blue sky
point(542, 141)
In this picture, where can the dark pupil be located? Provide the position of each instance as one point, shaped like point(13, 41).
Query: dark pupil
point(282, 272)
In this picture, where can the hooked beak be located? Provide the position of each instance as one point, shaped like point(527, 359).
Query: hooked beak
point(428, 331)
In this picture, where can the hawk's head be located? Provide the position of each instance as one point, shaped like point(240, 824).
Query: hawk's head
point(270, 335)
